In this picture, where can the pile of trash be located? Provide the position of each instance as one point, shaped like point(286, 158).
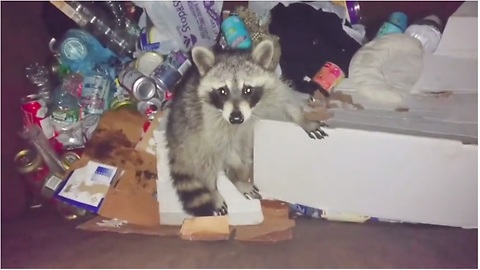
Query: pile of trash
point(134, 56)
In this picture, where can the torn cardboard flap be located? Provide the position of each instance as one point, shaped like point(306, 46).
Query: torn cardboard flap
point(276, 227)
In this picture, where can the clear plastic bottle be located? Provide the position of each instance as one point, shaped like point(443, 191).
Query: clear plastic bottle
point(114, 34)
point(39, 76)
point(80, 51)
point(65, 109)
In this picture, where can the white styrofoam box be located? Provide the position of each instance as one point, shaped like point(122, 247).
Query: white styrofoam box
point(241, 211)
point(388, 176)
point(448, 73)
point(460, 36)
point(454, 64)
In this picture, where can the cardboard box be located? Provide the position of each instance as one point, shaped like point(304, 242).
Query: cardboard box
point(416, 165)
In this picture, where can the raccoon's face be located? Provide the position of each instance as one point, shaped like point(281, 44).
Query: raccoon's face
point(234, 84)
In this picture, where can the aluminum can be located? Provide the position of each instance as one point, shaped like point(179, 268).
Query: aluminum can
point(147, 62)
point(34, 109)
point(29, 164)
point(150, 107)
point(120, 97)
point(141, 86)
point(171, 71)
point(68, 158)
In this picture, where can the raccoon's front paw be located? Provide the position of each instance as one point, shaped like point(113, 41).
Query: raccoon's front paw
point(314, 129)
point(220, 206)
point(249, 190)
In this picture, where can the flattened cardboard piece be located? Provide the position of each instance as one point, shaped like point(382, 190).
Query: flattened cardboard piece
point(275, 227)
point(129, 122)
point(213, 228)
point(113, 142)
point(102, 224)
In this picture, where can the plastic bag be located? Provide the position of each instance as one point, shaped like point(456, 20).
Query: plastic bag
point(188, 23)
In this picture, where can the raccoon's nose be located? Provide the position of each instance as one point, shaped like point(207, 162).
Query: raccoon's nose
point(236, 118)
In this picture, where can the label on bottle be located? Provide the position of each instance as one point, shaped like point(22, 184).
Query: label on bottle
point(94, 94)
point(328, 76)
point(66, 116)
point(73, 49)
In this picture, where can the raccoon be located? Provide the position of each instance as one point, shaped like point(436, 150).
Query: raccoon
point(211, 120)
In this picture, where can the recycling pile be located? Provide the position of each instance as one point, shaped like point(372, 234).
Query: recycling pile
point(110, 62)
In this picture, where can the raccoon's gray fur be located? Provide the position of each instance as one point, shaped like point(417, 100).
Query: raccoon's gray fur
point(211, 121)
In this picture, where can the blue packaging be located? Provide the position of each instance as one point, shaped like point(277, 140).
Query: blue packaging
point(81, 52)
point(236, 33)
point(399, 19)
point(388, 28)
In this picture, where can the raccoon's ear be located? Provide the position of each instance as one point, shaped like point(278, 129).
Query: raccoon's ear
point(262, 54)
point(203, 59)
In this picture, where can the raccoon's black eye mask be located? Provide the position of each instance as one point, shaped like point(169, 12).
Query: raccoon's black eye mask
point(223, 91)
point(247, 90)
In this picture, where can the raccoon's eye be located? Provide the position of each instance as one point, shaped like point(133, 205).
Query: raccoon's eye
point(222, 91)
point(247, 90)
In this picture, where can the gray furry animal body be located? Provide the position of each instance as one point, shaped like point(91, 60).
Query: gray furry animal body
point(211, 122)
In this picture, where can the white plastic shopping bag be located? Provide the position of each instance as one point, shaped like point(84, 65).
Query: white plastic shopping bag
point(188, 23)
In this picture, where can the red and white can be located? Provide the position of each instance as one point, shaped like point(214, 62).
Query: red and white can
point(35, 112)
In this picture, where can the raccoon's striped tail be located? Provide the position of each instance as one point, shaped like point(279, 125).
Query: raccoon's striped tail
point(197, 199)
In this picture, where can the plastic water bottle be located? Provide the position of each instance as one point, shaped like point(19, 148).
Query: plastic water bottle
point(39, 76)
point(428, 31)
point(80, 51)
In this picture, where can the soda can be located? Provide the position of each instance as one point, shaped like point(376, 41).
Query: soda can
point(90, 123)
point(120, 101)
point(147, 62)
point(150, 107)
point(29, 164)
point(34, 109)
point(300, 210)
point(68, 158)
point(141, 86)
point(120, 97)
point(169, 73)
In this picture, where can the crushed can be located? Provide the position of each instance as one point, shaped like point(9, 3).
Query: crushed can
point(142, 87)
point(171, 71)
point(149, 107)
point(29, 164)
point(35, 112)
